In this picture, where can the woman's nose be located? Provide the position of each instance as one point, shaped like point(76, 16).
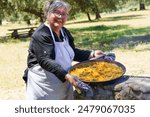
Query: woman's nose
point(59, 16)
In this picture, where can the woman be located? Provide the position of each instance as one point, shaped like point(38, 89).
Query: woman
point(51, 53)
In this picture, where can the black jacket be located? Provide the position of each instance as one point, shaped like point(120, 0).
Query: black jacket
point(41, 51)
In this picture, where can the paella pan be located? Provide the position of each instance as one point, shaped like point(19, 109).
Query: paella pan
point(98, 70)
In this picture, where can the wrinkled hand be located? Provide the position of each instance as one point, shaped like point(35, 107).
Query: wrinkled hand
point(71, 79)
point(96, 54)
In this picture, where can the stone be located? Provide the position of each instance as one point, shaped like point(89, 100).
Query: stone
point(124, 88)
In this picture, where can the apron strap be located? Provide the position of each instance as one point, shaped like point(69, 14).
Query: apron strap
point(53, 34)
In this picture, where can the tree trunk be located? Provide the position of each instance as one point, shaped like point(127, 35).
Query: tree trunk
point(36, 13)
point(88, 15)
point(97, 15)
point(124, 88)
point(28, 22)
point(142, 6)
point(0, 22)
point(96, 11)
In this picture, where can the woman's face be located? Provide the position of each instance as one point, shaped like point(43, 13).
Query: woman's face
point(58, 18)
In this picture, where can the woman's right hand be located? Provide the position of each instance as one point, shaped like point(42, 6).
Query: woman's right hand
point(71, 79)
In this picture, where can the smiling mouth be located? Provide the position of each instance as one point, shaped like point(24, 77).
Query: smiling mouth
point(58, 20)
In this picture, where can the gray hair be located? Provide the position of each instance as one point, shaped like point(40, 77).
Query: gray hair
point(52, 5)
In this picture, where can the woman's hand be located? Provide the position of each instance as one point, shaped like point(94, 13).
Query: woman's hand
point(96, 54)
point(71, 79)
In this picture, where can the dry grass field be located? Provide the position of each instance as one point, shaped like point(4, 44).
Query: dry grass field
point(13, 56)
point(13, 62)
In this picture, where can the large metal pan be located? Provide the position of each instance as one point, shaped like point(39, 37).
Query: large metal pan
point(82, 67)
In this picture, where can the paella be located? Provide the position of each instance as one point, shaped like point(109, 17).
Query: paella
point(98, 70)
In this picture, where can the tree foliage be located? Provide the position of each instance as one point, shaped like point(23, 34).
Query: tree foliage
point(5, 8)
point(34, 7)
point(28, 8)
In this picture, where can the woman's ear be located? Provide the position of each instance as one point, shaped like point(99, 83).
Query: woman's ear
point(48, 15)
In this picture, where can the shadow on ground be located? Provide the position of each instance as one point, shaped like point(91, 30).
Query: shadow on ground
point(132, 41)
point(116, 18)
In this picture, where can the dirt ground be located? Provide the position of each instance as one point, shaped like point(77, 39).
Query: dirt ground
point(136, 60)
point(137, 63)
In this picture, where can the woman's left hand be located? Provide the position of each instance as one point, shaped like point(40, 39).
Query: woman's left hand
point(96, 54)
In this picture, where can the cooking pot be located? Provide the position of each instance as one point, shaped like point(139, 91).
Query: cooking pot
point(112, 69)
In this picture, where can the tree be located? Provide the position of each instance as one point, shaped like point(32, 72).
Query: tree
point(97, 6)
point(5, 7)
point(84, 6)
point(34, 7)
point(142, 4)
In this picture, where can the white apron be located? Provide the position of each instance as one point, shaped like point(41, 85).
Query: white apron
point(43, 85)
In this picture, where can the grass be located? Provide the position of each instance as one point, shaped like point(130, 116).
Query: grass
point(100, 34)
point(97, 37)
point(101, 37)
